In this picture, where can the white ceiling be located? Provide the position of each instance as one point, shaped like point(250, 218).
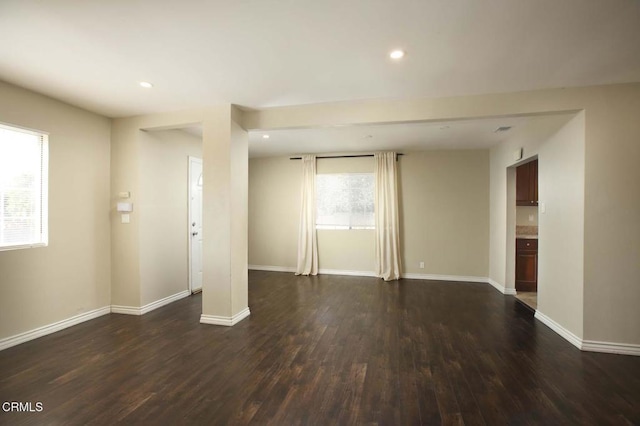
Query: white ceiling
point(415, 136)
point(264, 53)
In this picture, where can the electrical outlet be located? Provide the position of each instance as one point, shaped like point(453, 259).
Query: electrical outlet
point(530, 218)
point(421, 265)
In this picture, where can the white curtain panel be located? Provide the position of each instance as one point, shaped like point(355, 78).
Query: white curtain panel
point(307, 237)
point(387, 222)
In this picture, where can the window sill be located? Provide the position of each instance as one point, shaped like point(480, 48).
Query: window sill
point(23, 246)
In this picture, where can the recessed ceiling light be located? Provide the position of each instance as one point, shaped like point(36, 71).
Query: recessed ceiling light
point(397, 54)
point(265, 136)
point(146, 84)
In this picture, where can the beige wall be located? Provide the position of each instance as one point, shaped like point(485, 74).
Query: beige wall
point(163, 204)
point(274, 211)
point(502, 196)
point(612, 216)
point(444, 214)
point(239, 141)
point(346, 250)
point(558, 143)
point(225, 191)
point(125, 245)
point(561, 226)
point(40, 286)
point(530, 138)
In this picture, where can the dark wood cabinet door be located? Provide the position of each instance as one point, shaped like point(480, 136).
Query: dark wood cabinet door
point(526, 244)
point(523, 185)
point(527, 184)
point(526, 272)
point(533, 179)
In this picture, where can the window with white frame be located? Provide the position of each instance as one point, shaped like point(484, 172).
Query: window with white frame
point(24, 159)
point(345, 201)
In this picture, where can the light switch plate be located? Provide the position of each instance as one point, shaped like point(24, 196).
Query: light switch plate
point(125, 218)
point(543, 207)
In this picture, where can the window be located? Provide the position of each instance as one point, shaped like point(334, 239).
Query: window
point(23, 188)
point(345, 201)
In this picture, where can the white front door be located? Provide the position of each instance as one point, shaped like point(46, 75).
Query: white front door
point(195, 224)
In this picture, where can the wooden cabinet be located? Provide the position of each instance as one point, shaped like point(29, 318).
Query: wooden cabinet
point(527, 184)
point(526, 264)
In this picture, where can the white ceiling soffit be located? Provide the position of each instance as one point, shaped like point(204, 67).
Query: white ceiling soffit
point(269, 53)
point(412, 136)
point(467, 134)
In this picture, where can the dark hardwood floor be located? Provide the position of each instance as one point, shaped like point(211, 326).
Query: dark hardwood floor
point(323, 350)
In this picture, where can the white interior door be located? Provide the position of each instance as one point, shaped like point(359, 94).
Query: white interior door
point(195, 224)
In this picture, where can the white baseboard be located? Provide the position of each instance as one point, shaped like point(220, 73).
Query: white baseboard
point(272, 268)
point(134, 310)
point(226, 321)
point(320, 271)
point(8, 342)
point(127, 310)
point(410, 276)
point(458, 278)
point(502, 289)
point(589, 345)
point(610, 347)
point(572, 338)
point(346, 272)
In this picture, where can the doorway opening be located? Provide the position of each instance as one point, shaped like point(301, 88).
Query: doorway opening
point(526, 233)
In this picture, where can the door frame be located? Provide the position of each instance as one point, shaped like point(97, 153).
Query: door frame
point(190, 160)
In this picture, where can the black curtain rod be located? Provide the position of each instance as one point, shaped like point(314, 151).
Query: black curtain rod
point(340, 156)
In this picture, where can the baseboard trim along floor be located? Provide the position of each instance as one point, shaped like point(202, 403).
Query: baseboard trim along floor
point(44, 330)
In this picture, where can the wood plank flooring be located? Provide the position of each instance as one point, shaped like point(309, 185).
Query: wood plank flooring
point(323, 350)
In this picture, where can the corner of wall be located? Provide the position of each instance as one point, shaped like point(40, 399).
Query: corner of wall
point(125, 261)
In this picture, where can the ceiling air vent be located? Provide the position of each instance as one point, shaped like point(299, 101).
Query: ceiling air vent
point(501, 129)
